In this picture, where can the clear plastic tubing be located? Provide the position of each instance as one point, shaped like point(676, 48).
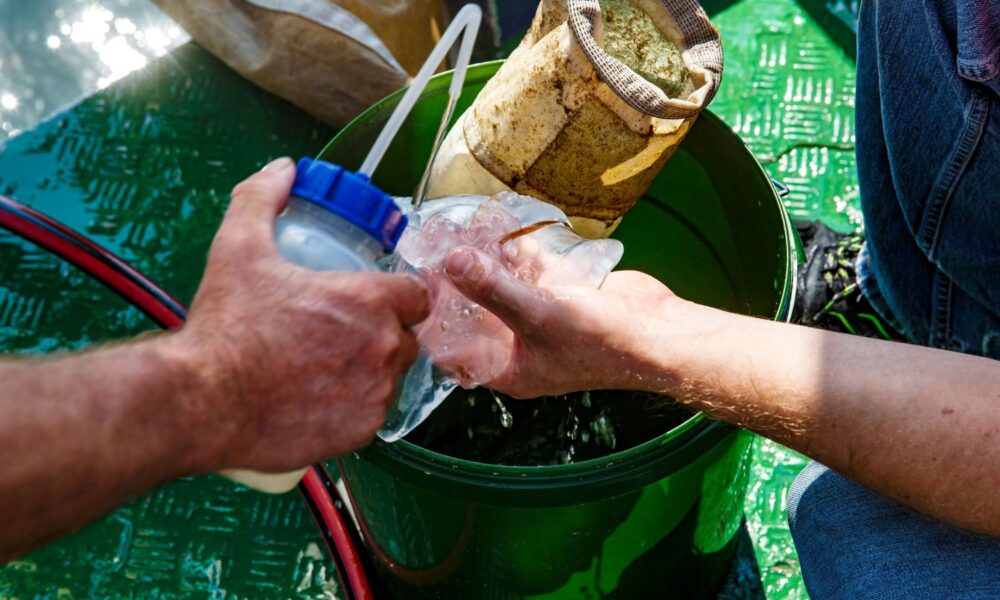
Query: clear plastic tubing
point(466, 22)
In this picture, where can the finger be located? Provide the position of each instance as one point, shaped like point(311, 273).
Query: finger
point(257, 200)
point(409, 348)
point(521, 252)
point(411, 299)
point(404, 295)
point(482, 279)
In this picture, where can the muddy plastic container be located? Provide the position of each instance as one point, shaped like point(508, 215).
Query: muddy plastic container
point(656, 521)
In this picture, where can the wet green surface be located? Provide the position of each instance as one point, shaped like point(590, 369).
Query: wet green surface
point(55, 52)
point(788, 90)
point(145, 167)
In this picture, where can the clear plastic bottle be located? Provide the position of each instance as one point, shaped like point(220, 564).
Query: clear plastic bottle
point(336, 220)
point(315, 238)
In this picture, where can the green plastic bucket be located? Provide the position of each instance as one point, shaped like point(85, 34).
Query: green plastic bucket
point(657, 520)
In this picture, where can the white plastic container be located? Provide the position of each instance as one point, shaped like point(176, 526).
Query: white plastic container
point(316, 238)
point(335, 220)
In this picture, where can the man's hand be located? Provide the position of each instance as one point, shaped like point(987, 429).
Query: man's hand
point(277, 367)
point(303, 364)
point(570, 338)
point(855, 404)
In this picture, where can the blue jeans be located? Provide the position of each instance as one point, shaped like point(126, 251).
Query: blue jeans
point(855, 545)
point(928, 149)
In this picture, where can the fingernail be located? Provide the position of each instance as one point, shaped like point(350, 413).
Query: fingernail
point(460, 263)
point(279, 164)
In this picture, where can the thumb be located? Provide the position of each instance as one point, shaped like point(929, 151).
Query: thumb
point(258, 199)
point(485, 281)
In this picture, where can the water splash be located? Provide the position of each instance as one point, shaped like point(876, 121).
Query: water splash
point(506, 419)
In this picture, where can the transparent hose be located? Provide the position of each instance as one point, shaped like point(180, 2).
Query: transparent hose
point(467, 21)
point(424, 387)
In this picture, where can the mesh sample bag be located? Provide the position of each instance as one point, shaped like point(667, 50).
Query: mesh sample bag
point(588, 108)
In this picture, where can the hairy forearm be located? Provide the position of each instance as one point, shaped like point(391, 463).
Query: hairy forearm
point(252, 381)
point(918, 425)
point(80, 434)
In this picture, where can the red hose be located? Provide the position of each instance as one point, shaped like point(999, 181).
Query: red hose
point(338, 533)
point(168, 313)
point(93, 260)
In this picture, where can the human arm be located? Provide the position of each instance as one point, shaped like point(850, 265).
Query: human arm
point(276, 368)
point(918, 425)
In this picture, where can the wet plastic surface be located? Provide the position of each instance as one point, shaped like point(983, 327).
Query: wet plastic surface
point(146, 167)
point(531, 238)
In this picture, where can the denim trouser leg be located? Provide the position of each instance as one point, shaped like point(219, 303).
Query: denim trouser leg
point(928, 148)
point(856, 545)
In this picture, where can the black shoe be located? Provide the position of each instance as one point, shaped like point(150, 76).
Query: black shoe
point(828, 292)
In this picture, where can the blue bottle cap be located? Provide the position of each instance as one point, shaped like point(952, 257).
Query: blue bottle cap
point(352, 197)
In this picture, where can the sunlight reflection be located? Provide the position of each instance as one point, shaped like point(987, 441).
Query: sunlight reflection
point(121, 49)
point(125, 26)
point(92, 26)
point(55, 51)
point(120, 44)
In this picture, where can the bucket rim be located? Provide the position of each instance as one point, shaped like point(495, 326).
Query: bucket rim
point(696, 433)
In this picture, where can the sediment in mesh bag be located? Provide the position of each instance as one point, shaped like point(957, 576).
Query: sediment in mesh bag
point(580, 117)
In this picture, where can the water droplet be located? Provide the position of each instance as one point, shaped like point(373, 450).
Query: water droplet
point(506, 419)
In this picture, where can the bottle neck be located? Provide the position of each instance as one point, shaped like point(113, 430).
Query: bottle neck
point(346, 232)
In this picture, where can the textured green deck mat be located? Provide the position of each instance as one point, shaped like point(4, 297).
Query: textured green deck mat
point(145, 167)
point(788, 90)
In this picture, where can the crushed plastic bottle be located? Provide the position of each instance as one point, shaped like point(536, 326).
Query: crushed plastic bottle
point(530, 237)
